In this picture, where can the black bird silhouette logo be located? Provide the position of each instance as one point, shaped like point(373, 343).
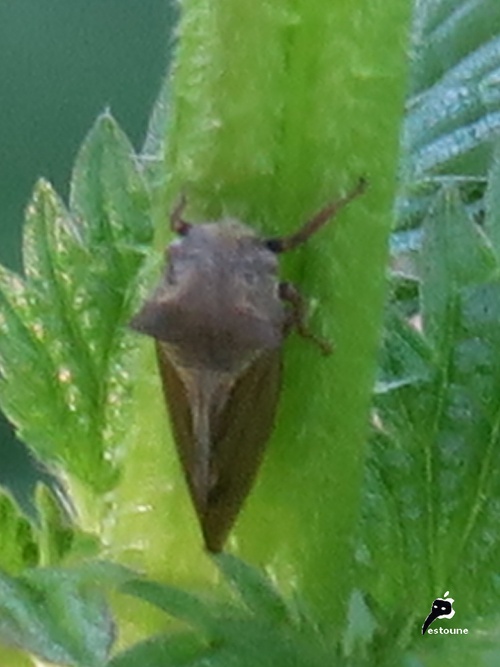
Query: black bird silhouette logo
point(441, 608)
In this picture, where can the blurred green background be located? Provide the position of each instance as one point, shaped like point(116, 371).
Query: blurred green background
point(62, 62)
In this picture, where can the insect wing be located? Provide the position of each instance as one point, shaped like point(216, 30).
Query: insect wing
point(180, 417)
point(239, 434)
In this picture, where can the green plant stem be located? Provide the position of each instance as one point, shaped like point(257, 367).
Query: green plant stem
point(278, 107)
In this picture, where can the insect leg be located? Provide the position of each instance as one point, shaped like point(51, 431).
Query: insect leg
point(316, 222)
point(297, 316)
point(177, 224)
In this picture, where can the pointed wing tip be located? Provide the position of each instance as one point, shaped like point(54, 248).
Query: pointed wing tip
point(215, 532)
point(213, 540)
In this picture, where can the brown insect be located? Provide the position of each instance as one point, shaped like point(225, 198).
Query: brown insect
point(219, 318)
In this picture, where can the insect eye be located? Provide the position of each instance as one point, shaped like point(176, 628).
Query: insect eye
point(274, 245)
point(183, 228)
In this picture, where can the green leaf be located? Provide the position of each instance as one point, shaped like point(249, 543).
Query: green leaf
point(255, 589)
point(453, 111)
point(64, 325)
point(247, 642)
point(433, 482)
point(455, 253)
point(229, 634)
point(176, 602)
point(360, 627)
point(59, 539)
point(492, 204)
point(172, 650)
point(18, 544)
point(405, 357)
point(57, 615)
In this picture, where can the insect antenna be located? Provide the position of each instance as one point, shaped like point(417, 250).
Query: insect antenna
point(177, 224)
point(286, 243)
